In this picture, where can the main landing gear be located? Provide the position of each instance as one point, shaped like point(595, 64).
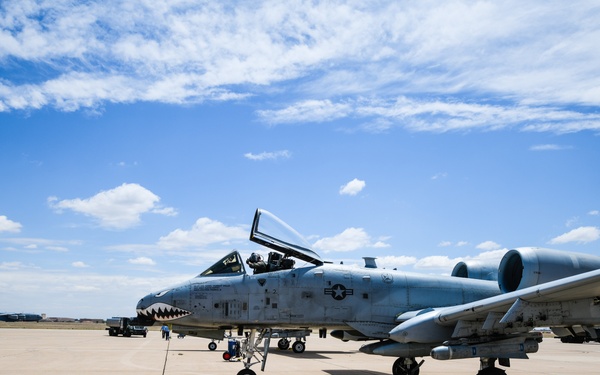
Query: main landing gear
point(251, 354)
point(488, 366)
point(297, 347)
point(406, 366)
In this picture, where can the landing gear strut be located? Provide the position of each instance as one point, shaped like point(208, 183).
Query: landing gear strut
point(251, 353)
point(406, 366)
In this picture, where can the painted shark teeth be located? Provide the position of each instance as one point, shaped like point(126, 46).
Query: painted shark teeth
point(163, 312)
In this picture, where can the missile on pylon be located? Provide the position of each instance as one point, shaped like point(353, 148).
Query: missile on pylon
point(397, 349)
point(511, 348)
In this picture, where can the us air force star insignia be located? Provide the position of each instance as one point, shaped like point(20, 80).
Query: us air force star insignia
point(338, 292)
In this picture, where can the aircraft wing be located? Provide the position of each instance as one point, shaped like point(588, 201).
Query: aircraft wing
point(573, 300)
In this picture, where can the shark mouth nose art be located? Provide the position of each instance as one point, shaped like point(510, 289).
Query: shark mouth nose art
point(162, 311)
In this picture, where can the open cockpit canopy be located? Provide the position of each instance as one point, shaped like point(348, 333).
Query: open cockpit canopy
point(270, 231)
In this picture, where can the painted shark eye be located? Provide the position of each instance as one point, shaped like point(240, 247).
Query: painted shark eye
point(162, 293)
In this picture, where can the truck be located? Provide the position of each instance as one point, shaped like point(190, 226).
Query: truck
point(125, 326)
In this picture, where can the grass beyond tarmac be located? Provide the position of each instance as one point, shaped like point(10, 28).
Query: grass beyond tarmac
point(59, 325)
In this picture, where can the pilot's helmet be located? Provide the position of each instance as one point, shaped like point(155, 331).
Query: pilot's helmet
point(255, 258)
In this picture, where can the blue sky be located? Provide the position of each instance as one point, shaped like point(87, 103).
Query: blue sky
point(135, 149)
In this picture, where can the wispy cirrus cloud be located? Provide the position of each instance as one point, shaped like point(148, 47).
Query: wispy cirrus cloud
point(578, 235)
point(275, 155)
point(420, 66)
point(549, 147)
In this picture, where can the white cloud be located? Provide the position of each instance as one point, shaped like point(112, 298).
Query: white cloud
point(79, 264)
point(444, 262)
point(190, 52)
point(395, 261)
point(283, 154)
point(349, 240)
point(11, 265)
point(488, 246)
point(59, 249)
point(145, 261)
point(353, 187)
point(437, 261)
point(7, 225)
point(438, 176)
point(594, 213)
point(572, 222)
point(449, 243)
point(492, 254)
point(54, 245)
point(380, 245)
point(549, 147)
point(436, 116)
point(580, 235)
point(204, 232)
point(307, 111)
point(118, 208)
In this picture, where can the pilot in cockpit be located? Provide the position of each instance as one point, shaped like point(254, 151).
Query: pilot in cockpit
point(276, 262)
point(257, 263)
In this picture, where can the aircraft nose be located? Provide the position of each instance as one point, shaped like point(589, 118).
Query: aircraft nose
point(143, 317)
point(160, 307)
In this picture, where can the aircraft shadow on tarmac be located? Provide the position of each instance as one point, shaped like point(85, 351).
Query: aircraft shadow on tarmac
point(285, 353)
point(305, 355)
point(354, 372)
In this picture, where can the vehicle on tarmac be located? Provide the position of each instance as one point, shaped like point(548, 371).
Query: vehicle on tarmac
point(125, 326)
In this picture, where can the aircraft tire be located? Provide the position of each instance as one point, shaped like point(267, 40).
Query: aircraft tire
point(283, 344)
point(212, 346)
point(246, 371)
point(399, 368)
point(298, 347)
point(492, 371)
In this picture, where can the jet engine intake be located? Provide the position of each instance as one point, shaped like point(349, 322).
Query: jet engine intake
point(528, 266)
point(477, 269)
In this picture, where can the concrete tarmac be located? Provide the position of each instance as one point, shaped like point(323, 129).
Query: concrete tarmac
point(54, 352)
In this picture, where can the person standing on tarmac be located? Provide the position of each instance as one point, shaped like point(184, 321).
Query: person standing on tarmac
point(165, 331)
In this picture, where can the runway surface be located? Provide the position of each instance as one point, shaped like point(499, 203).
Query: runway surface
point(53, 352)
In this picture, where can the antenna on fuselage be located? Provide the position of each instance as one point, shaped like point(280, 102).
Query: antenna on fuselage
point(370, 262)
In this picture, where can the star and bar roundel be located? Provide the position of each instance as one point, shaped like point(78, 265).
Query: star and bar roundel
point(338, 292)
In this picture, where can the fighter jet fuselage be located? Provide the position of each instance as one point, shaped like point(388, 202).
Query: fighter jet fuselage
point(332, 296)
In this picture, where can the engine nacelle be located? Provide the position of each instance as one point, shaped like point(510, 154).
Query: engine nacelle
point(528, 266)
point(477, 269)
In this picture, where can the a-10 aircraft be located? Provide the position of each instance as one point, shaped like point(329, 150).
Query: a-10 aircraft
point(19, 317)
point(405, 315)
